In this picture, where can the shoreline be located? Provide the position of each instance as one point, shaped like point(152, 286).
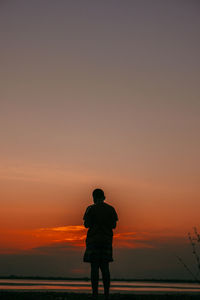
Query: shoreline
point(82, 292)
point(88, 279)
point(55, 295)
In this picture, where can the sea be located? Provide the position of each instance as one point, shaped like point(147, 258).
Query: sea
point(84, 286)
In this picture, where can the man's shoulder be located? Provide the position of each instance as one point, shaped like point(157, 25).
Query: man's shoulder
point(108, 206)
point(111, 211)
point(89, 208)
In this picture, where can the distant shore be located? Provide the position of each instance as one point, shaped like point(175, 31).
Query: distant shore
point(88, 279)
point(21, 295)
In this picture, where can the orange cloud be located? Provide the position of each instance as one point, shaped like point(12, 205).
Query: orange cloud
point(74, 235)
point(15, 240)
point(132, 240)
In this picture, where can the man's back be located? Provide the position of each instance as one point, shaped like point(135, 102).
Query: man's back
point(101, 219)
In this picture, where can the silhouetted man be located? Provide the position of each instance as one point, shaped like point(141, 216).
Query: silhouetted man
point(100, 218)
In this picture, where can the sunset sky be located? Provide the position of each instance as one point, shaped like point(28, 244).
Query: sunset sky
point(99, 94)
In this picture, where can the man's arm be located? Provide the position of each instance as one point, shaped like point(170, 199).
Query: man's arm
point(114, 224)
point(114, 219)
point(87, 218)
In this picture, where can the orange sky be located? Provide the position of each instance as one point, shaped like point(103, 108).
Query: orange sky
point(99, 95)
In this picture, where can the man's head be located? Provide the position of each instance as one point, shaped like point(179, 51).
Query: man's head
point(98, 195)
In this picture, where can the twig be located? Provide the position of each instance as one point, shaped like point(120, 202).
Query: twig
point(194, 249)
point(186, 267)
point(197, 235)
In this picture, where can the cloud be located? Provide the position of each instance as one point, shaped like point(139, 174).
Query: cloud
point(71, 235)
point(74, 236)
point(132, 240)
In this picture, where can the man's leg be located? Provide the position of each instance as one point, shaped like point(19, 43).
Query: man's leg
point(106, 278)
point(95, 278)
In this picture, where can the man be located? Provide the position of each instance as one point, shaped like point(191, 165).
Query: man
point(101, 219)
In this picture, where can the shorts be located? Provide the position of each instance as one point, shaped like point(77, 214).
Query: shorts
point(98, 253)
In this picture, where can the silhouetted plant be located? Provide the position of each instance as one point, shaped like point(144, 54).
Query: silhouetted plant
point(195, 242)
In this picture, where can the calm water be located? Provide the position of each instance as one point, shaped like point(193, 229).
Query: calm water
point(84, 286)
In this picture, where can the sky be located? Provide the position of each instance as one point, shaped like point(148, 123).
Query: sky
point(99, 94)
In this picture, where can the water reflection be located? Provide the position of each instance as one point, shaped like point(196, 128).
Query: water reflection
point(84, 286)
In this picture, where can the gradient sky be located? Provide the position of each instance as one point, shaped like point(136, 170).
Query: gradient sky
point(99, 94)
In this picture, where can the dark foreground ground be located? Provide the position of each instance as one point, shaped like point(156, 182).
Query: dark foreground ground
point(9, 295)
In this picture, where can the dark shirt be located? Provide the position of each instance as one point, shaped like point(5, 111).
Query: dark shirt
point(100, 218)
